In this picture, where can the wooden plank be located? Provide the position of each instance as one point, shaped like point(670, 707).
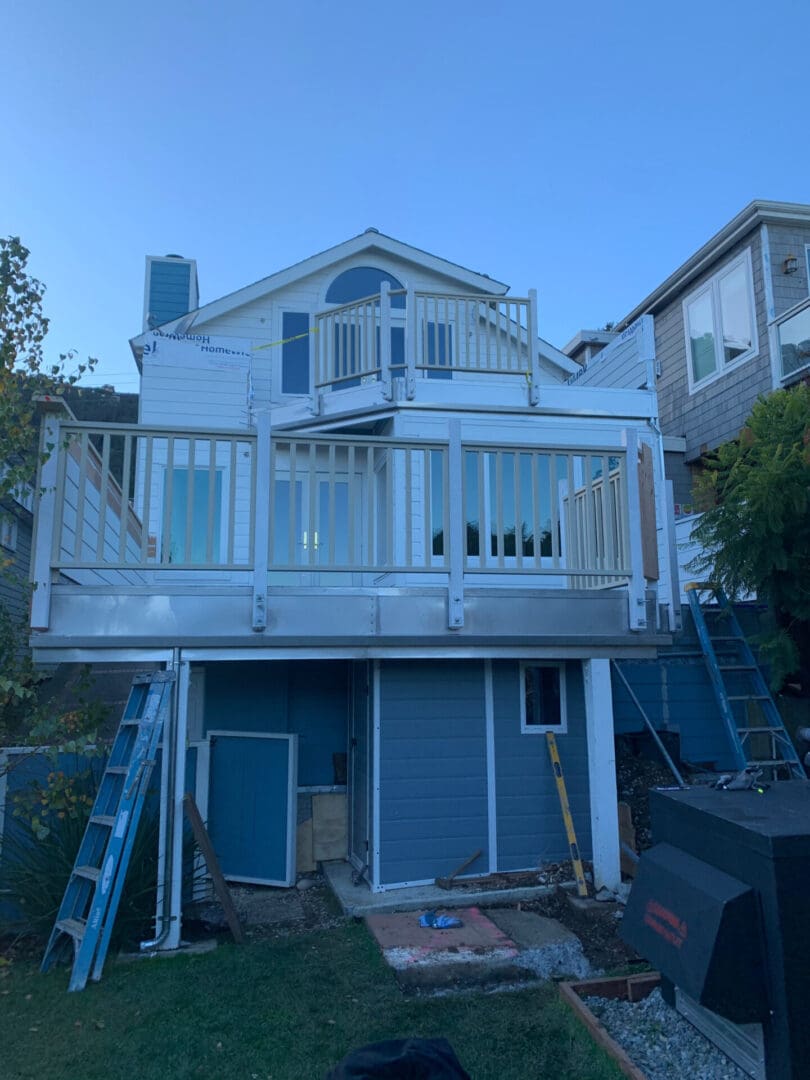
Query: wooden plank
point(632, 988)
point(212, 862)
point(646, 496)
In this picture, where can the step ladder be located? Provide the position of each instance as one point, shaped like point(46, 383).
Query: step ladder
point(88, 909)
point(753, 723)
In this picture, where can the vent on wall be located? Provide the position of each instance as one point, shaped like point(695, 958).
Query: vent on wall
point(170, 289)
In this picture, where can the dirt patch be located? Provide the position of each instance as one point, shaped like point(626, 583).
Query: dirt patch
point(268, 913)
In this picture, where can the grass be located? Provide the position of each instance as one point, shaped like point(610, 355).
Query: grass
point(287, 1009)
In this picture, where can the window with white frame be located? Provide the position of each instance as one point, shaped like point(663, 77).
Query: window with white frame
point(542, 698)
point(720, 322)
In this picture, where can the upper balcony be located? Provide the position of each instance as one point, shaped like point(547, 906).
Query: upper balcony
point(408, 335)
point(150, 536)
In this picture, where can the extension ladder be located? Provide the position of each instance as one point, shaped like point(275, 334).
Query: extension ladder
point(754, 726)
point(88, 909)
point(573, 846)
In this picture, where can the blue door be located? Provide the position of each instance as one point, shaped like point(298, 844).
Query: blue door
point(251, 805)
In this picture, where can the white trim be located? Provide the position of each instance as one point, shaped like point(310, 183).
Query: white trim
point(179, 732)
point(375, 782)
point(602, 773)
point(292, 800)
point(712, 287)
point(541, 729)
point(492, 804)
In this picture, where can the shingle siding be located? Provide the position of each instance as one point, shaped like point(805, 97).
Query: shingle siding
point(788, 289)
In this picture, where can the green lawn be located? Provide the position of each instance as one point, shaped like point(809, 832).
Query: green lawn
point(289, 1008)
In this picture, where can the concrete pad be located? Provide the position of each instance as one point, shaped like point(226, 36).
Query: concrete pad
point(547, 948)
point(475, 953)
point(359, 901)
point(531, 931)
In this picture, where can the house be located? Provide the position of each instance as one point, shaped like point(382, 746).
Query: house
point(384, 545)
point(730, 324)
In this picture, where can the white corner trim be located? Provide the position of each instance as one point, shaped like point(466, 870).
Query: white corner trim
point(375, 781)
point(602, 774)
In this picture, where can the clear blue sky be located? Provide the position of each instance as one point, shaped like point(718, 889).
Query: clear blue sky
point(585, 149)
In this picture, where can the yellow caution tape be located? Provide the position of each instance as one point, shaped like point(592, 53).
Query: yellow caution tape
point(286, 340)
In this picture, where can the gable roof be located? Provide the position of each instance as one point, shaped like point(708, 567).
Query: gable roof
point(370, 240)
point(758, 212)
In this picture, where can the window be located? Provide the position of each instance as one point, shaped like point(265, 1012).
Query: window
point(295, 352)
point(719, 322)
point(205, 518)
point(542, 699)
point(362, 281)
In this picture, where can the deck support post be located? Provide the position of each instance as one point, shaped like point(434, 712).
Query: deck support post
point(45, 523)
point(636, 592)
point(455, 528)
point(384, 359)
point(411, 339)
point(531, 348)
point(175, 764)
point(602, 774)
point(261, 527)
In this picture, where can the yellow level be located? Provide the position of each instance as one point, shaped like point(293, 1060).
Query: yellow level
point(573, 847)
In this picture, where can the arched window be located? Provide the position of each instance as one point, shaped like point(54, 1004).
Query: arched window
point(362, 281)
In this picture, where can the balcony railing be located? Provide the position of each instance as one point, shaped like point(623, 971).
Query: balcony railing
point(406, 334)
point(793, 330)
point(123, 505)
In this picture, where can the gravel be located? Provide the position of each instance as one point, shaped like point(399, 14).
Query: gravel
point(660, 1042)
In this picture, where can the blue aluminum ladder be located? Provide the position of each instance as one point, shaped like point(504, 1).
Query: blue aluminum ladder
point(88, 909)
point(756, 733)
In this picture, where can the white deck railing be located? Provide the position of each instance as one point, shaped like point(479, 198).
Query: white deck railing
point(138, 501)
point(406, 334)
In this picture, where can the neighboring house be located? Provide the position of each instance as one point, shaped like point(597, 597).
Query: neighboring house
point(731, 323)
point(16, 527)
point(385, 547)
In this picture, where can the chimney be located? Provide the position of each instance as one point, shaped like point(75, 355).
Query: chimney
point(170, 290)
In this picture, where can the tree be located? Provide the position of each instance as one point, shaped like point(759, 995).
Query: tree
point(24, 375)
point(756, 530)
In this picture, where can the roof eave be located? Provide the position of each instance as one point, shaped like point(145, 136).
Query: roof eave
point(366, 241)
point(758, 212)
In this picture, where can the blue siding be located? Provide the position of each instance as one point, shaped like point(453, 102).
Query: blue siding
point(307, 698)
point(433, 779)
point(530, 825)
point(168, 291)
point(676, 693)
